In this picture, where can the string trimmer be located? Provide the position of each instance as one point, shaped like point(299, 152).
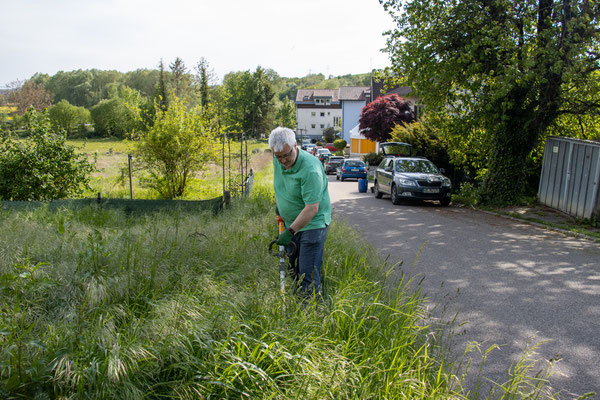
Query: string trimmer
point(282, 253)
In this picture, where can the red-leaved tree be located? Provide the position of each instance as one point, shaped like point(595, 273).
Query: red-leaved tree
point(378, 118)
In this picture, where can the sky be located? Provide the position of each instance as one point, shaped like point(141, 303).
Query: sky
point(292, 37)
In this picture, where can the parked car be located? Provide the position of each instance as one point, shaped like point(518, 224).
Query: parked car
point(323, 154)
point(351, 168)
point(332, 163)
point(411, 178)
point(304, 144)
point(309, 147)
point(330, 147)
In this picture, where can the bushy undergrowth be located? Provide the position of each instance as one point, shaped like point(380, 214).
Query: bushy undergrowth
point(99, 304)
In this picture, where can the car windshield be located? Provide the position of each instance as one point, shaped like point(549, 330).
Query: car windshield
point(324, 151)
point(396, 149)
point(354, 163)
point(423, 166)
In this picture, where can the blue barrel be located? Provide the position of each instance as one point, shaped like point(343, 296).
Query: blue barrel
point(362, 185)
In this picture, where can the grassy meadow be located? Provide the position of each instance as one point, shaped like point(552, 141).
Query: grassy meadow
point(112, 178)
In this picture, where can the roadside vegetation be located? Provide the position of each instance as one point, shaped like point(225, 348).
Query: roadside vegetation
point(101, 304)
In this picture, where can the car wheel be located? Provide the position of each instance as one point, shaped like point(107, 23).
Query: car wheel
point(337, 177)
point(378, 194)
point(341, 178)
point(395, 195)
point(445, 202)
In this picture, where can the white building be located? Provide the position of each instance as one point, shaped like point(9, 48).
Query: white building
point(316, 110)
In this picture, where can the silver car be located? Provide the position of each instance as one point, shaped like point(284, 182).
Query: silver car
point(411, 178)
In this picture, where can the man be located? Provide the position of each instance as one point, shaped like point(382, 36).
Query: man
point(303, 202)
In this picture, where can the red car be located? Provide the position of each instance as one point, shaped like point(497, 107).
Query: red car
point(329, 146)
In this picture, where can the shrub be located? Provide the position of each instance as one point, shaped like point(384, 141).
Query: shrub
point(44, 167)
point(340, 144)
point(373, 158)
point(113, 118)
point(467, 195)
point(176, 147)
point(425, 141)
point(69, 118)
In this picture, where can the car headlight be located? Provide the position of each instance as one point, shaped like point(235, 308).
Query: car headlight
point(406, 182)
point(446, 182)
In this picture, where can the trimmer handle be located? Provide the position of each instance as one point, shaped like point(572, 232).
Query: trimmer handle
point(274, 241)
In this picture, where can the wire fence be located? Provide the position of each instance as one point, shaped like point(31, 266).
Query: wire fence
point(129, 206)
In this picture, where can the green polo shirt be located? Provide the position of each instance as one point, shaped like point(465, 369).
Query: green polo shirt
point(304, 183)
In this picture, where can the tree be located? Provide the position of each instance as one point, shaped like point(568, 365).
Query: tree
point(161, 88)
point(142, 80)
point(29, 95)
point(379, 117)
point(76, 87)
point(259, 97)
point(329, 134)
point(178, 145)
point(178, 73)
point(119, 115)
point(286, 114)
point(68, 118)
point(498, 68)
point(204, 79)
point(248, 101)
point(43, 168)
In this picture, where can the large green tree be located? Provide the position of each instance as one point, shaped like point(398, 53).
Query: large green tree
point(496, 67)
point(142, 80)
point(249, 101)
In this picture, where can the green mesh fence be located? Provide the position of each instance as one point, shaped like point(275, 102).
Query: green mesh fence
point(129, 206)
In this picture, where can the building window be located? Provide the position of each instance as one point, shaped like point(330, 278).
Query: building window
point(328, 113)
point(312, 114)
point(313, 126)
point(322, 114)
point(322, 126)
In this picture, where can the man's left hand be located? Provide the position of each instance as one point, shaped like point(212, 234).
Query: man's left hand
point(284, 238)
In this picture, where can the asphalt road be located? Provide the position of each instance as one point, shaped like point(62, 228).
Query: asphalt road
point(513, 284)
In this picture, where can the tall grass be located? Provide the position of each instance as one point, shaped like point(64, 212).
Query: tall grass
point(99, 304)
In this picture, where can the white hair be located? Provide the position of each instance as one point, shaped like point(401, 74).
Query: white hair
point(281, 136)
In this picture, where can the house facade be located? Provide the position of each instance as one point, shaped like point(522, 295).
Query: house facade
point(316, 110)
point(353, 99)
